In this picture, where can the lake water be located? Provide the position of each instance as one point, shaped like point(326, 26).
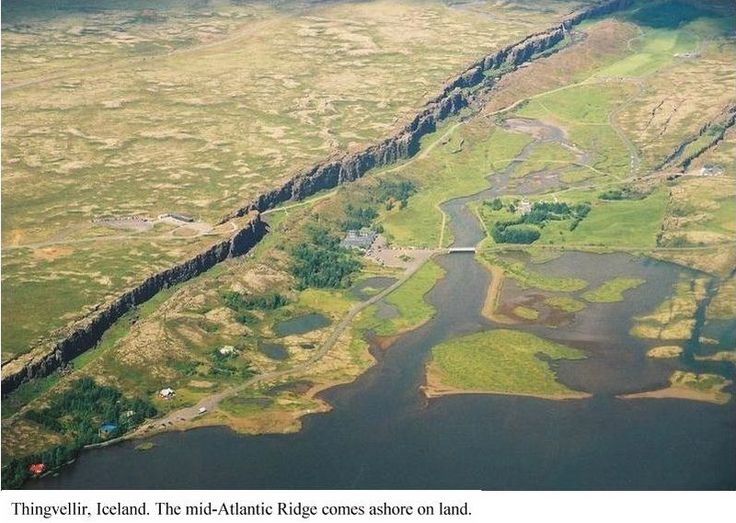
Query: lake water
point(382, 433)
point(275, 351)
point(300, 324)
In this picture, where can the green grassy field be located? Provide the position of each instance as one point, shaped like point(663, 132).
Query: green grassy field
point(612, 290)
point(611, 224)
point(527, 278)
point(565, 303)
point(500, 361)
point(408, 300)
point(546, 156)
point(456, 170)
point(584, 112)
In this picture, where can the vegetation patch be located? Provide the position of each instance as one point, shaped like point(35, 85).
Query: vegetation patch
point(526, 313)
point(408, 300)
point(499, 361)
point(665, 351)
point(564, 303)
point(83, 414)
point(527, 227)
point(531, 279)
point(320, 262)
point(395, 192)
point(674, 318)
point(623, 193)
point(724, 355)
point(612, 290)
point(265, 302)
point(691, 386)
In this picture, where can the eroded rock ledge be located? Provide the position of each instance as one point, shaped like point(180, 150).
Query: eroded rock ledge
point(80, 336)
point(454, 96)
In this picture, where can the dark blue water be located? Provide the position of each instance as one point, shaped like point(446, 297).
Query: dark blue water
point(382, 433)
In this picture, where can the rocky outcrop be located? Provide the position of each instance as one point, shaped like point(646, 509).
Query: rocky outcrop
point(454, 96)
point(715, 129)
point(84, 334)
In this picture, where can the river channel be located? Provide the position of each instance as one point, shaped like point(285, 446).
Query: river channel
point(383, 433)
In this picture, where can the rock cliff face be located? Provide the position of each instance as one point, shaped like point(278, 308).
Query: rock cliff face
point(82, 335)
point(716, 129)
point(456, 94)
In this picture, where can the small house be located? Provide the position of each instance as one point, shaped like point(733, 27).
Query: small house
point(524, 207)
point(178, 216)
point(711, 170)
point(167, 393)
point(37, 468)
point(202, 410)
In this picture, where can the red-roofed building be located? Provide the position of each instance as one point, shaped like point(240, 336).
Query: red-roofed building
point(37, 468)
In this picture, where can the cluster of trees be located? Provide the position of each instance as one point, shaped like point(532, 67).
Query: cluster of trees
point(321, 262)
point(222, 366)
point(242, 305)
point(542, 212)
point(358, 217)
point(392, 191)
point(526, 228)
point(496, 204)
point(513, 232)
point(81, 409)
point(15, 473)
point(77, 414)
point(625, 193)
point(264, 302)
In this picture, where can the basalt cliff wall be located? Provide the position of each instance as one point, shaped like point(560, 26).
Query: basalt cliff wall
point(80, 336)
point(455, 95)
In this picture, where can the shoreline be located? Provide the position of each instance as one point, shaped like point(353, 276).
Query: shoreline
point(493, 295)
point(435, 391)
point(716, 397)
point(434, 388)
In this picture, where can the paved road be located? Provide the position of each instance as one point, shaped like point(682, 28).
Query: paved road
point(209, 403)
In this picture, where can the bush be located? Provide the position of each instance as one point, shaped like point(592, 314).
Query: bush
point(504, 232)
point(240, 302)
point(625, 193)
point(357, 218)
point(496, 204)
point(395, 190)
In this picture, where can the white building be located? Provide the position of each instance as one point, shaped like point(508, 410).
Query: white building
point(167, 393)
